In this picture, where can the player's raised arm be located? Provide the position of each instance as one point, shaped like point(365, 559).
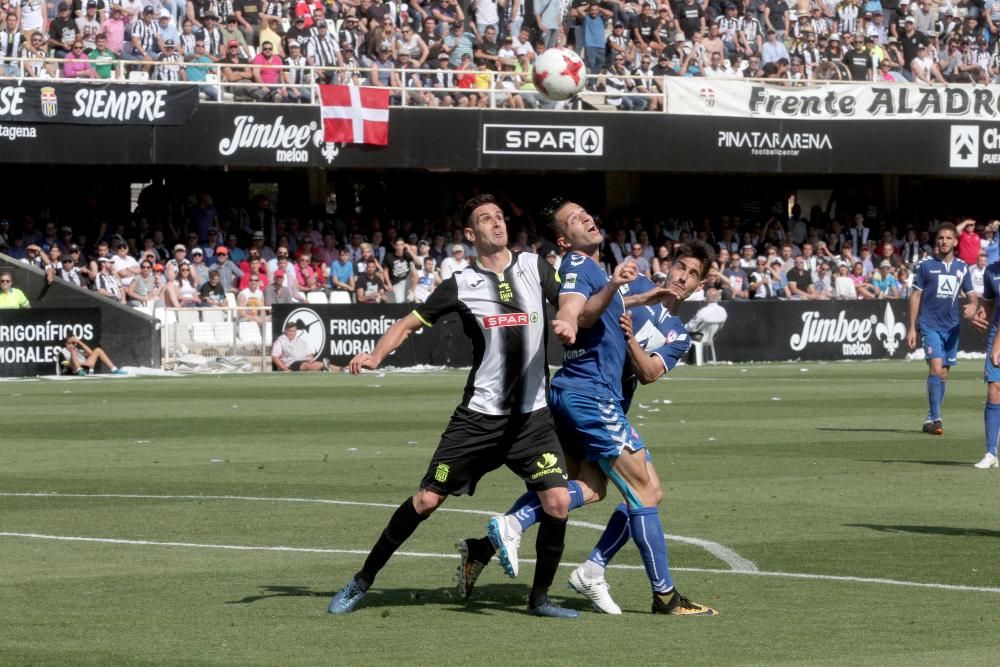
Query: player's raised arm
point(596, 305)
point(386, 345)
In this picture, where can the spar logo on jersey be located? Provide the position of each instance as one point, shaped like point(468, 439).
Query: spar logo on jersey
point(309, 327)
point(509, 320)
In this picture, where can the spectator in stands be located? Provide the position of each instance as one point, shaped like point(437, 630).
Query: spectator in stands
point(103, 59)
point(427, 281)
point(62, 31)
point(231, 32)
point(113, 29)
point(248, 14)
point(800, 283)
point(779, 280)
point(268, 75)
point(251, 301)
point(182, 291)
point(761, 286)
point(213, 293)
point(126, 267)
point(969, 242)
point(10, 296)
point(144, 34)
point(10, 46)
point(324, 52)
point(739, 282)
point(823, 281)
point(400, 273)
point(211, 34)
point(342, 272)
point(169, 63)
point(883, 282)
point(166, 30)
point(255, 267)
point(291, 282)
point(107, 283)
point(35, 52)
point(305, 275)
point(68, 271)
point(370, 286)
point(236, 72)
point(773, 49)
point(295, 75)
point(862, 288)
point(291, 352)
point(199, 269)
point(77, 65)
point(276, 292)
point(455, 262)
point(145, 289)
point(619, 87)
point(81, 359)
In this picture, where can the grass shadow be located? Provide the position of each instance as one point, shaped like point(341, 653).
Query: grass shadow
point(924, 462)
point(929, 530)
point(867, 430)
point(489, 597)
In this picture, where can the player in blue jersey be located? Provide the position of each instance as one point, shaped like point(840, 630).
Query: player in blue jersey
point(589, 401)
point(937, 283)
point(991, 374)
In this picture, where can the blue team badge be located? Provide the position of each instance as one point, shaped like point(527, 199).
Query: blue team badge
point(671, 336)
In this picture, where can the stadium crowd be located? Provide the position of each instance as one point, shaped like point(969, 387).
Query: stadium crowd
point(485, 49)
point(253, 257)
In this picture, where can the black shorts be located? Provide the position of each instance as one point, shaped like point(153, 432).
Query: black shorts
point(475, 444)
point(295, 365)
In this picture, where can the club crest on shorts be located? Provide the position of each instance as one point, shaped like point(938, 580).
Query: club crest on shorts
point(441, 473)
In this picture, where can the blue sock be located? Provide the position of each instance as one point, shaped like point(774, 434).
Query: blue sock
point(528, 508)
point(992, 415)
point(935, 393)
point(647, 533)
point(615, 535)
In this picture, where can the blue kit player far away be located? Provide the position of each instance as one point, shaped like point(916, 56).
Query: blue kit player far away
point(589, 397)
point(991, 374)
point(938, 281)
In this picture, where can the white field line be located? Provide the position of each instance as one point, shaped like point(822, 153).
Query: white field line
point(725, 554)
point(418, 554)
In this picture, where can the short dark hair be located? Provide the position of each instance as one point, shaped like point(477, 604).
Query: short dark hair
point(700, 251)
point(548, 214)
point(474, 203)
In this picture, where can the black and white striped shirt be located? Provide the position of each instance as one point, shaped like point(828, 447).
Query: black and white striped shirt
point(185, 43)
point(212, 39)
point(298, 74)
point(146, 32)
point(750, 27)
point(504, 316)
point(728, 27)
point(169, 68)
point(324, 50)
point(10, 44)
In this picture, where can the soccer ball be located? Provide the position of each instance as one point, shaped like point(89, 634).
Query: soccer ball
point(559, 74)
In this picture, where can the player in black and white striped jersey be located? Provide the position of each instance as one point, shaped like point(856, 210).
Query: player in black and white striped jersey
point(503, 418)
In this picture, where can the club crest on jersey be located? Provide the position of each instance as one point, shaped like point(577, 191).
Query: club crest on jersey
point(671, 336)
point(506, 291)
point(509, 320)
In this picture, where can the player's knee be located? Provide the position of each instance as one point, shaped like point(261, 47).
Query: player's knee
point(426, 501)
point(555, 503)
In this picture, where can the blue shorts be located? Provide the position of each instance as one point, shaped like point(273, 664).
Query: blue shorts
point(941, 345)
point(991, 373)
point(598, 425)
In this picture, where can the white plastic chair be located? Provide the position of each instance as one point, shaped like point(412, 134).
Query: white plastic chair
point(211, 315)
point(338, 296)
point(707, 341)
point(316, 297)
point(187, 316)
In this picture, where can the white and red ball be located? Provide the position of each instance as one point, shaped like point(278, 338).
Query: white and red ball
point(559, 74)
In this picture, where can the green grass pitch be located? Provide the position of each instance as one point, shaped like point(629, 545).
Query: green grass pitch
point(815, 475)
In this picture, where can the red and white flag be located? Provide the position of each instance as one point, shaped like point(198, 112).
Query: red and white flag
point(355, 115)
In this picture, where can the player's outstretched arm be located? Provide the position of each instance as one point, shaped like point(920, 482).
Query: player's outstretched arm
point(386, 345)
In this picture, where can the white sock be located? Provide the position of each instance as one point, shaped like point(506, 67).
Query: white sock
point(592, 570)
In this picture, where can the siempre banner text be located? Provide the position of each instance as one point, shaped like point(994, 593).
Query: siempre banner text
point(96, 103)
